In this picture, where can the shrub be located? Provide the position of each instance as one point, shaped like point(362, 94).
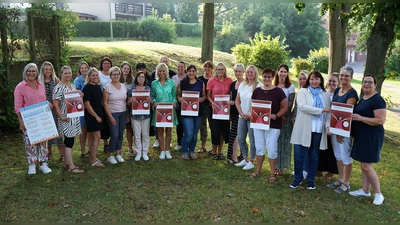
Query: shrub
point(230, 36)
point(188, 29)
point(299, 64)
point(157, 30)
point(243, 53)
point(123, 29)
point(320, 59)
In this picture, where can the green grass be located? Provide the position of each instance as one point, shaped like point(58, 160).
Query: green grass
point(174, 190)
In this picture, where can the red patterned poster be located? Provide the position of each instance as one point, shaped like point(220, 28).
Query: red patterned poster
point(74, 104)
point(190, 103)
point(164, 115)
point(140, 105)
point(341, 119)
point(221, 107)
point(261, 114)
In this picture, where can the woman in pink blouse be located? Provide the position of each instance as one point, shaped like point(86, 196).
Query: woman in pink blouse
point(28, 92)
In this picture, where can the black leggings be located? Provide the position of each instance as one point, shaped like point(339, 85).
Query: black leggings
point(69, 142)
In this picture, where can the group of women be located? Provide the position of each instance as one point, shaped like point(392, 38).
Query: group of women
point(107, 97)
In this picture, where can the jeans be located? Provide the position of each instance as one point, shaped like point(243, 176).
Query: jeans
point(242, 130)
point(117, 131)
point(191, 126)
point(312, 152)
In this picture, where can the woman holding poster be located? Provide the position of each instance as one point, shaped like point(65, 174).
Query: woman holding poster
point(163, 90)
point(342, 145)
point(309, 130)
point(28, 92)
point(219, 84)
point(69, 127)
point(368, 132)
point(191, 124)
point(269, 138)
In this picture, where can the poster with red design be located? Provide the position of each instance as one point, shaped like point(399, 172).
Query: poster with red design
point(261, 114)
point(74, 104)
point(140, 105)
point(39, 122)
point(164, 115)
point(221, 107)
point(341, 119)
point(190, 103)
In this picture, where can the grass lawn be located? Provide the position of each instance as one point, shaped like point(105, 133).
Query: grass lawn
point(175, 191)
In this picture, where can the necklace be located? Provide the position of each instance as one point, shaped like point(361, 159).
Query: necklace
point(343, 91)
point(366, 97)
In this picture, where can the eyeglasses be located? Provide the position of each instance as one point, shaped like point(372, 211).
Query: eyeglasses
point(31, 71)
point(115, 74)
point(220, 69)
point(267, 77)
point(140, 77)
point(345, 75)
point(368, 82)
point(332, 81)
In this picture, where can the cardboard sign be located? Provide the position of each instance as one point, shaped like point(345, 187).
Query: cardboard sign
point(140, 106)
point(221, 107)
point(190, 103)
point(261, 114)
point(74, 103)
point(341, 119)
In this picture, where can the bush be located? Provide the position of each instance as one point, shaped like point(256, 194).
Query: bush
point(262, 52)
point(230, 36)
point(299, 64)
point(188, 29)
point(157, 30)
point(320, 59)
point(123, 29)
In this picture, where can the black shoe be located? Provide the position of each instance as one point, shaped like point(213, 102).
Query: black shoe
point(105, 148)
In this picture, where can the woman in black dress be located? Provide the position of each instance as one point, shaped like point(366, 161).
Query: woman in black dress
point(93, 112)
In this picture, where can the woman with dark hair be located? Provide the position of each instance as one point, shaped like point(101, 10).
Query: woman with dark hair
point(282, 81)
point(309, 131)
point(28, 92)
point(105, 65)
point(342, 145)
point(369, 115)
point(208, 68)
point(179, 129)
point(127, 80)
point(69, 127)
point(191, 124)
point(140, 123)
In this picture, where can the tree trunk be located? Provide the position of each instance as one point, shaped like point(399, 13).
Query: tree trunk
point(337, 38)
point(382, 34)
point(207, 38)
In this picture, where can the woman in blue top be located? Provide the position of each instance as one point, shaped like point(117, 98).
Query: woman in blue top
point(342, 145)
point(191, 124)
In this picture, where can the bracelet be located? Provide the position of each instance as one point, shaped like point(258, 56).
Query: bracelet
point(363, 119)
point(276, 116)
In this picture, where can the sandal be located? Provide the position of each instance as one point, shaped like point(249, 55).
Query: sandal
point(255, 174)
point(341, 190)
point(210, 152)
point(49, 155)
point(75, 170)
point(98, 163)
point(272, 178)
point(214, 157)
point(185, 157)
point(193, 156)
point(328, 176)
point(62, 158)
point(279, 172)
point(84, 155)
point(201, 150)
point(221, 156)
point(334, 184)
point(230, 161)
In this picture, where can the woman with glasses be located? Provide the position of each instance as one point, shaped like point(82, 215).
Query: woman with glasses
point(28, 92)
point(105, 65)
point(342, 145)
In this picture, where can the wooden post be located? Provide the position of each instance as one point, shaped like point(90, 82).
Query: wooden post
point(56, 44)
point(31, 33)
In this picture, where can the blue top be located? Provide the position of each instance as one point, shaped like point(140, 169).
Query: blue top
point(137, 117)
point(79, 82)
point(197, 86)
point(352, 93)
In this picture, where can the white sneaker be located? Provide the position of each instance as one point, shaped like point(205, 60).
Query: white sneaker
point(360, 192)
point(138, 156)
point(32, 169)
point(162, 155)
point(44, 168)
point(305, 173)
point(156, 144)
point(112, 160)
point(168, 155)
point(378, 199)
point(292, 173)
point(170, 145)
point(145, 157)
point(241, 163)
point(248, 166)
point(178, 148)
point(120, 159)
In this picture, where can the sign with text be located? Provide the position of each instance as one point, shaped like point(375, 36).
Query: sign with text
point(74, 104)
point(261, 114)
point(39, 122)
point(164, 115)
point(190, 103)
point(221, 107)
point(140, 105)
point(341, 119)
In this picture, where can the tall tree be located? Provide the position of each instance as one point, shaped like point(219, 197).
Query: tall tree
point(207, 37)
point(188, 12)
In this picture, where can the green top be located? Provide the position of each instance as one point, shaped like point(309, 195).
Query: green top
point(165, 94)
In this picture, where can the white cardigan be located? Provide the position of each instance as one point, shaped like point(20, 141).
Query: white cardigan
point(301, 134)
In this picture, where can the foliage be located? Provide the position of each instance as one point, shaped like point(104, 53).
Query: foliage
point(8, 119)
point(230, 36)
point(320, 59)
point(299, 64)
point(188, 12)
point(122, 29)
point(157, 29)
point(393, 66)
point(164, 8)
point(272, 26)
point(263, 51)
point(188, 29)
